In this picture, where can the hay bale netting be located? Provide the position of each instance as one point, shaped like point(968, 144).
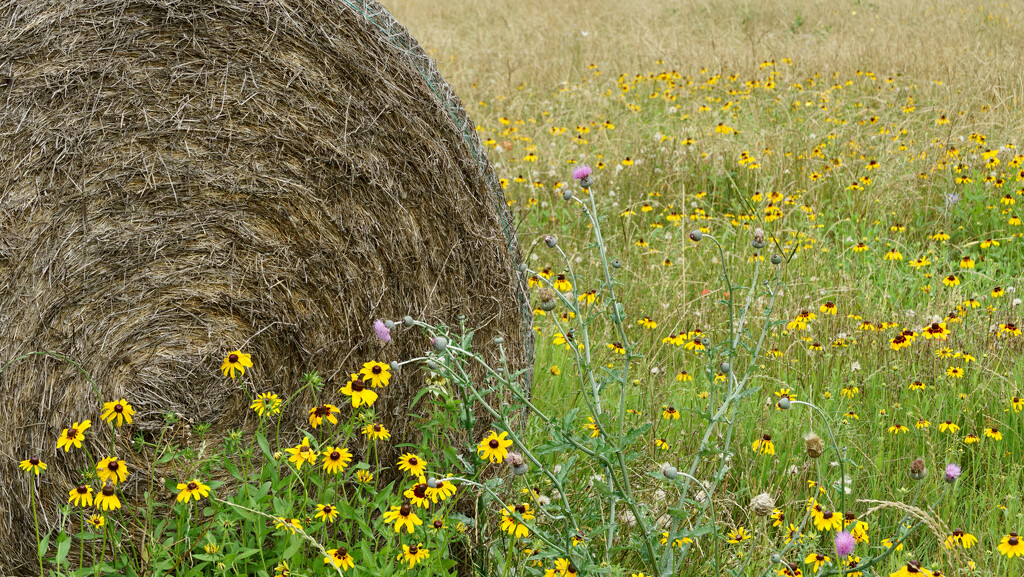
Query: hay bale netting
point(180, 178)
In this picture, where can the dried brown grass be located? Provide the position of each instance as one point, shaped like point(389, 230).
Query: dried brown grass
point(183, 178)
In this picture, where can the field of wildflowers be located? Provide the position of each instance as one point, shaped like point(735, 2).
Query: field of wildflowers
point(778, 313)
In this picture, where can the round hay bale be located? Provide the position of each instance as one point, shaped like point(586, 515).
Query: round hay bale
point(183, 178)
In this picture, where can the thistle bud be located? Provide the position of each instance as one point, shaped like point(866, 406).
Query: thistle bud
point(762, 505)
point(518, 464)
point(776, 259)
point(696, 235)
point(567, 194)
point(551, 241)
point(917, 469)
point(616, 263)
point(815, 448)
point(439, 343)
point(407, 321)
point(432, 482)
point(586, 181)
point(758, 241)
point(394, 366)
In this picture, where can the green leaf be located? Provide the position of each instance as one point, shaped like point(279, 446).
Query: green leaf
point(293, 548)
point(64, 545)
point(262, 441)
point(44, 545)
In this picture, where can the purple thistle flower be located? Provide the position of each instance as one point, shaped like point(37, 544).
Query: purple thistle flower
point(845, 543)
point(952, 472)
point(383, 333)
point(582, 171)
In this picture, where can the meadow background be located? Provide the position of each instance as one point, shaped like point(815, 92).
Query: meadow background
point(879, 146)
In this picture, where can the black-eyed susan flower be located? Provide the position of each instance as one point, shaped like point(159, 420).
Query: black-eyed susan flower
point(194, 489)
point(1012, 546)
point(413, 464)
point(670, 413)
point(413, 554)
point(562, 284)
point(993, 433)
point(935, 331)
point(778, 518)
point(677, 543)
point(955, 372)
point(319, 414)
point(967, 262)
point(647, 323)
point(617, 347)
point(376, 432)
point(897, 429)
point(442, 491)
point(235, 361)
point(290, 525)
point(893, 255)
point(403, 516)
point(684, 376)
point(327, 512)
point(737, 535)
point(417, 495)
point(80, 496)
point(826, 520)
point(494, 446)
point(971, 439)
point(107, 499)
point(364, 476)
point(661, 444)
point(912, 569)
point(112, 469)
point(513, 526)
point(336, 459)
point(302, 454)
point(998, 292)
point(591, 426)
point(339, 558)
point(1017, 404)
point(375, 374)
point(764, 445)
point(829, 308)
point(73, 436)
point(959, 537)
point(96, 521)
point(267, 404)
point(816, 560)
point(922, 424)
point(361, 394)
point(119, 411)
point(1009, 330)
point(951, 280)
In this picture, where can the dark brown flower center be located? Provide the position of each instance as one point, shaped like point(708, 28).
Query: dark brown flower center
point(108, 490)
point(438, 523)
point(994, 430)
point(192, 486)
point(357, 386)
point(521, 509)
point(112, 465)
point(342, 552)
point(34, 461)
point(323, 411)
point(766, 437)
point(413, 461)
point(72, 433)
point(572, 569)
point(935, 326)
point(376, 369)
point(850, 516)
point(119, 408)
point(420, 490)
point(493, 444)
point(232, 358)
point(405, 510)
point(1013, 541)
point(335, 455)
point(82, 489)
point(827, 515)
point(819, 557)
point(327, 509)
point(376, 428)
point(413, 549)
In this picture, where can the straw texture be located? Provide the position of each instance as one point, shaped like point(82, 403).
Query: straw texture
point(182, 178)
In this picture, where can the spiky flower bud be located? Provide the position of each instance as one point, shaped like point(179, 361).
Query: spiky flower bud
point(776, 259)
point(551, 241)
point(518, 464)
point(758, 241)
point(762, 505)
point(696, 235)
point(815, 448)
point(917, 469)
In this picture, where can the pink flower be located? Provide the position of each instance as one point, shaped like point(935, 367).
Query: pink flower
point(383, 333)
point(952, 472)
point(582, 171)
point(845, 543)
